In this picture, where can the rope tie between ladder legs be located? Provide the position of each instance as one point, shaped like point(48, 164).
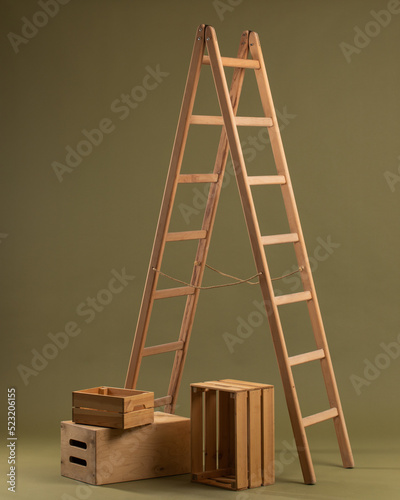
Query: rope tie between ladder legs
point(238, 281)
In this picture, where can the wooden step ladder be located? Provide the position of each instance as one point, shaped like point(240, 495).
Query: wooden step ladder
point(229, 141)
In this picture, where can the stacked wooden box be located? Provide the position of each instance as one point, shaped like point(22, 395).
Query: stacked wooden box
point(116, 436)
point(101, 455)
point(113, 407)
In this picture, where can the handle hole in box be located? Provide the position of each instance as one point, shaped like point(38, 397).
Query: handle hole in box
point(78, 461)
point(78, 444)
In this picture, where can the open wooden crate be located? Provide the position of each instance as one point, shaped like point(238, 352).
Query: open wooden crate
point(232, 434)
point(113, 407)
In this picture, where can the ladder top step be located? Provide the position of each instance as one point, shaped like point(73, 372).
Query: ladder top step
point(193, 178)
point(241, 121)
point(174, 292)
point(260, 180)
point(280, 238)
point(320, 417)
point(162, 348)
point(187, 235)
point(306, 357)
point(234, 62)
point(292, 298)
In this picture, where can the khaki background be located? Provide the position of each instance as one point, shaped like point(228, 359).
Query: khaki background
point(61, 241)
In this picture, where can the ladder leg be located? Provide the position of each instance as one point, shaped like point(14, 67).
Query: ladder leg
point(166, 209)
point(208, 223)
point(301, 253)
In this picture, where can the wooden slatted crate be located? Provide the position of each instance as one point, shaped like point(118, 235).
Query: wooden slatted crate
point(232, 434)
point(113, 407)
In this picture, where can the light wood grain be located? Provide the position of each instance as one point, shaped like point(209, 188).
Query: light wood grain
point(165, 400)
point(306, 357)
point(242, 121)
point(224, 431)
point(196, 178)
point(114, 455)
point(173, 292)
point(291, 298)
point(260, 180)
point(114, 420)
point(320, 417)
point(186, 235)
point(241, 431)
point(268, 436)
point(276, 239)
point(235, 62)
point(196, 419)
point(255, 439)
point(162, 348)
point(210, 458)
point(244, 429)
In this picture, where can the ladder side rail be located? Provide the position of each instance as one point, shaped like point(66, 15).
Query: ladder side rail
point(287, 189)
point(166, 209)
point(301, 253)
point(207, 225)
point(259, 257)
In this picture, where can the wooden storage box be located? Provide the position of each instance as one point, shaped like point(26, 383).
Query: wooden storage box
point(100, 455)
point(112, 407)
point(236, 449)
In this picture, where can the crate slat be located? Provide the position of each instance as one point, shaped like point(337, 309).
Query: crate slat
point(211, 430)
point(255, 442)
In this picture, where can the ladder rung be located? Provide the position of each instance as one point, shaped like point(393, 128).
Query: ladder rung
point(320, 417)
point(166, 400)
point(279, 238)
point(174, 292)
point(160, 349)
point(259, 180)
point(253, 121)
point(234, 62)
point(191, 178)
point(306, 357)
point(186, 235)
point(292, 297)
point(244, 121)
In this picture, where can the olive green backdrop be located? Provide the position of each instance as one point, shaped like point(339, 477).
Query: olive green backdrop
point(69, 226)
